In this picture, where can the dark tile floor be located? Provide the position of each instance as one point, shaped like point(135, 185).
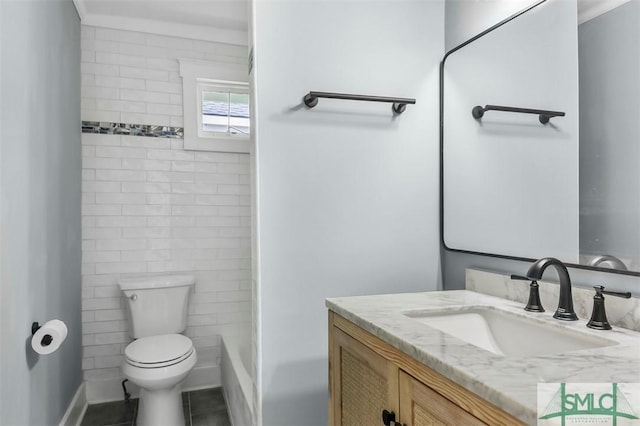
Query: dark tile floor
point(201, 408)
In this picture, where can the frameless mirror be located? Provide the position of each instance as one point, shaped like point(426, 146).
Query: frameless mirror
point(519, 184)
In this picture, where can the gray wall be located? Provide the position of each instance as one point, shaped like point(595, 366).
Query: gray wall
point(40, 206)
point(347, 193)
point(609, 53)
point(466, 18)
point(454, 264)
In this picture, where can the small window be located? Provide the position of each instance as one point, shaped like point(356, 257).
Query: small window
point(223, 110)
point(216, 106)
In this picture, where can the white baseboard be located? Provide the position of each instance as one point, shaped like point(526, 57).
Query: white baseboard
point(78, 406)
point(111, 390)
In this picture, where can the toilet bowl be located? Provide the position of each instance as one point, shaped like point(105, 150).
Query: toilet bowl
point(160, 358)
point(158, 365)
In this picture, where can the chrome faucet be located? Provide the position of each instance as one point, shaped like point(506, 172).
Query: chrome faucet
point(565, 303)
point(614, 261)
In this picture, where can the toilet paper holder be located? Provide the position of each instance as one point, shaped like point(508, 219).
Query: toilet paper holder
point(46, 339)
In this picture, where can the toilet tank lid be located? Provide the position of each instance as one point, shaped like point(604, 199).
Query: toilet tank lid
point(156, 281)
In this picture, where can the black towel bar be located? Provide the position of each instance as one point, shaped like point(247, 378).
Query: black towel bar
point(399, 104)
point(544, 115)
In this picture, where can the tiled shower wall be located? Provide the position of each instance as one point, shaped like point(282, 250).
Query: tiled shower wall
point(151, 207)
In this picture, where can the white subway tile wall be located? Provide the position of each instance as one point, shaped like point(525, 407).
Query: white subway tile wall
point(131, 77)
point(151, 207)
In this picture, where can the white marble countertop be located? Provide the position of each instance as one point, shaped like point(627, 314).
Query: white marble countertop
point(508, 382)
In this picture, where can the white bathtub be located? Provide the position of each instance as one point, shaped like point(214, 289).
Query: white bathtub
point(236, 380)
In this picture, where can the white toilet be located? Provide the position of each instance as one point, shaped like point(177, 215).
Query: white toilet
point(160, 358)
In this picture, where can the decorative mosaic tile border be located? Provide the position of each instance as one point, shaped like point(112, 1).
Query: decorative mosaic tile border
point(132, 129)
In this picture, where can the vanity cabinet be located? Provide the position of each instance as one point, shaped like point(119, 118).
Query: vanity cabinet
point(368, 376)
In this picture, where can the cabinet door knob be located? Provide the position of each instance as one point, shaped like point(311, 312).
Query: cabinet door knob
point(388, 418)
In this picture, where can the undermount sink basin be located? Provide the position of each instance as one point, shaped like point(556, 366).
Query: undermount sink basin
point(507, 334)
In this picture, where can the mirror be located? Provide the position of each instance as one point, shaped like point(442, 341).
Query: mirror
point(517, 188)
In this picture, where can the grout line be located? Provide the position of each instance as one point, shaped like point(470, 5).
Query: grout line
point(135, 413)
point(189, 408)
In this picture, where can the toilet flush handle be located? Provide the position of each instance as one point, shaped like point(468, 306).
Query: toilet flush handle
point(133, 297)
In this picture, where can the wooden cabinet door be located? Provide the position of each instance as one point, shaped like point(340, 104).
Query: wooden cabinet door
point(422, 406)
point(362, 383)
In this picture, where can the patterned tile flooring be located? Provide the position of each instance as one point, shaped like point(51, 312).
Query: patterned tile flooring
point(201, 408)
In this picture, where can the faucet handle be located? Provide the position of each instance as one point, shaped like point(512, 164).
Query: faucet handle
point(599, 319)
point(522, 278)
point(600, 291)
point(534, 304)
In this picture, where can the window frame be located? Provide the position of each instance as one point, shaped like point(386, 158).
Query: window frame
point(223, 75)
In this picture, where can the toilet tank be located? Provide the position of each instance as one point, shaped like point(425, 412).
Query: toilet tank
point(157, 304)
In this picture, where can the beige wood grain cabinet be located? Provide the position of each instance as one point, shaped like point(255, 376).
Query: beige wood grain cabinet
point(368, 376)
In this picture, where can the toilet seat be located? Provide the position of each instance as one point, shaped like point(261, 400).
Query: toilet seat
point(158, 351)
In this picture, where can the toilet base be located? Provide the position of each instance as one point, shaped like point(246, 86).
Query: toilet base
point(160, 407)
